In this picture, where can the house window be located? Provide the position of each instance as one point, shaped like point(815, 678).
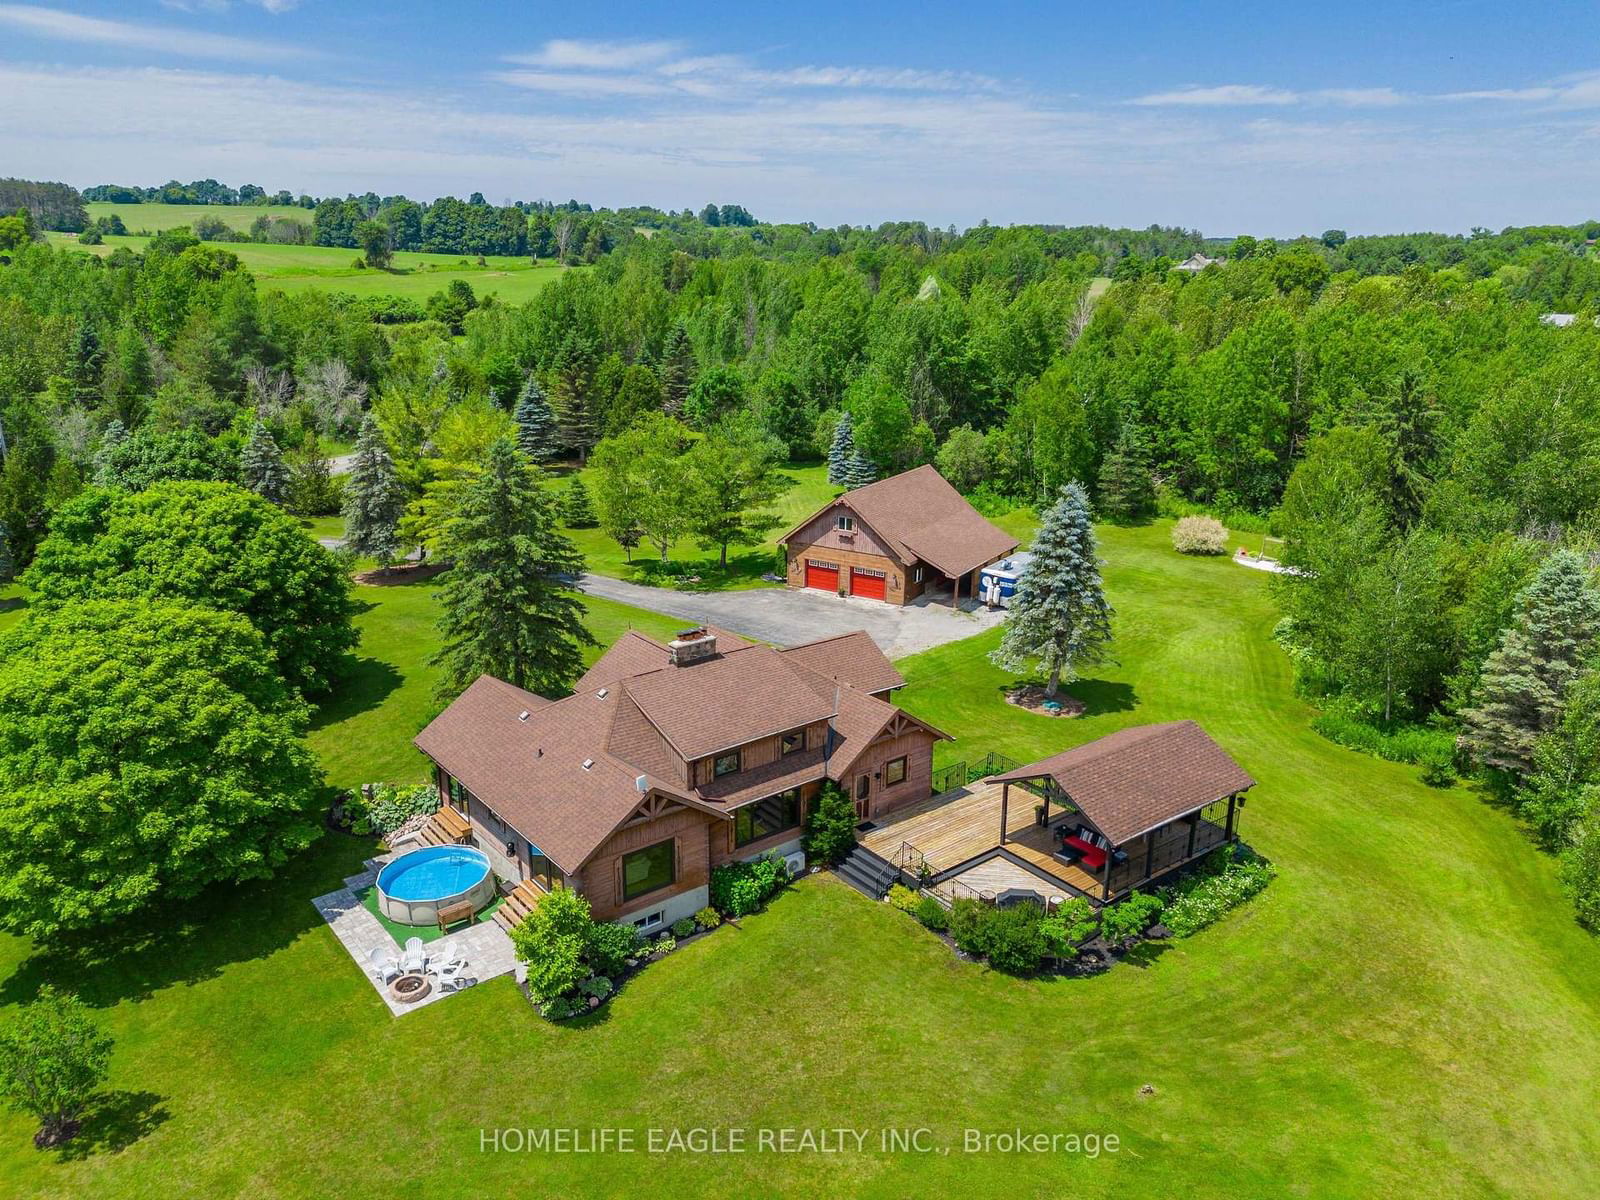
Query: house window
point(648, 921)
point(894, 771)
point(863, 786)
point(648, 869)
point(793, 741)
point(917, 576)
point(724, 764)
point(847, 524)
point(767, 817)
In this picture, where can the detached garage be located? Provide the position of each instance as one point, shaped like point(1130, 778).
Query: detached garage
point(824, 576)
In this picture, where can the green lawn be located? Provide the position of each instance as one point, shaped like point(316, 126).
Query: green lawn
point(686, 558)
point(1407, 1011)
point(417, 276)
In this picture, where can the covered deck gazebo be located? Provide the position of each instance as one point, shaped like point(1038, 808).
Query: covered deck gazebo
point(1128, 808)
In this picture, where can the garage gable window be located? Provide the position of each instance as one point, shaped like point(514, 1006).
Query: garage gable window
point(847, 524)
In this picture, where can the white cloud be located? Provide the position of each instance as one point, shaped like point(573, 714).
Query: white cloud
point(1224, 95)
point(70, 27)
point(593, 86)
point(572, 54)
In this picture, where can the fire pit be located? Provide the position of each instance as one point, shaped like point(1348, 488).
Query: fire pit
point(408, 989)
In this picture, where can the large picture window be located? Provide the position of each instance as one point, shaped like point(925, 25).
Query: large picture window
point(894, 771)
point(766, 817)
point(648, 869)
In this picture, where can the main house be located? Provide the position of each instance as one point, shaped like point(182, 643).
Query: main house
point(670, 759)
point(894, 540)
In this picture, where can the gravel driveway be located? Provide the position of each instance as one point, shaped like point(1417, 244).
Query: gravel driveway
point(787, 616)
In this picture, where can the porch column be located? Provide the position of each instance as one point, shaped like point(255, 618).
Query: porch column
point(1233, 802)
point(1194, 828)
point(1005, 797)
point(1105, 873)
point(1149, 853)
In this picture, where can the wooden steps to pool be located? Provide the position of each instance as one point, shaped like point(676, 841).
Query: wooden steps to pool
point(517, 906)
point(447, 828)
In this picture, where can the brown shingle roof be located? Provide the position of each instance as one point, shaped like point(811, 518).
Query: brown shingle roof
point(633, 653)
point(804, 766)
point(1140, 778)
point(531, 772)
point(726, 700)
point(922, 517)
point(852, 658)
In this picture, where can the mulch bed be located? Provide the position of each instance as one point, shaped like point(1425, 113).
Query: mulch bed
point(1031, 697)
point(397, 575)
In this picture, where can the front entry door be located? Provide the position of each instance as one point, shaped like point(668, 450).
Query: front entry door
point(863, 796)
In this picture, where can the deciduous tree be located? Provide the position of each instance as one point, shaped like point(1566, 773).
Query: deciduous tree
point(53, 1058)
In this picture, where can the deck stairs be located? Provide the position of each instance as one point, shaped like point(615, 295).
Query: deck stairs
point(447, 828)
point(518, 905)
point(868, 873)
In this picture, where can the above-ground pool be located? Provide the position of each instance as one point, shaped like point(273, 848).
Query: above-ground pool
point(414, 887)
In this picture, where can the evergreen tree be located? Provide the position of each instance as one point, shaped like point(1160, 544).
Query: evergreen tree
point(678, 370)
point(1059, 617)
point(842, 451)
point(1126, 489)
point(374, 499)
point(8, 565)
point(830, 825)
point(536, 424)
point(859, 472)
point(88, 357)
point(105, 456)
point(577, 512)
point(509, 606)
point(261, 466)
point(572, 400)
point(1522, 693)
point(129, 377)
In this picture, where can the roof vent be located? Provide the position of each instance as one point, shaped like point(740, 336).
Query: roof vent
point(691, 646)
point(523, 715)
point(587, 763)
point(602, 693)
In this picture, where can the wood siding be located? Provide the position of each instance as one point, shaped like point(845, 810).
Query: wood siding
point(601, 877)
point(895, 576)
point(757, 753)
point(916, 745)
point(822, 533)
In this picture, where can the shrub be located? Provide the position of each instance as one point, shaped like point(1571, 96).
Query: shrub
point(1064, 930)
point(1123, 922)
point(1012, 939)
point(1227, 881)
point(563, 1007)
point(932, 914)
point(740, 888)
point(552, 940)
point(966, 922)
point(1580, 874)
point(830, 826)
point(708, 918)
point(665, 944)
point(1199, 535)
point(597, 986)
point(53, 1058)
point(1394, 742)
point(609, 945)
point(903, 898)
point(683, 927)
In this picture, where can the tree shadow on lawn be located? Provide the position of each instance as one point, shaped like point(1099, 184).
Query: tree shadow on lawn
point(367, 685)
point(191, 941)
point(1099, 696)
point(113, 1122)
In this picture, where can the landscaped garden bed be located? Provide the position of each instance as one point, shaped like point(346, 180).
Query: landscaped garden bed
point(1072, 938)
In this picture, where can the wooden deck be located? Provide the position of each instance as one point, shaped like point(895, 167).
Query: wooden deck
point(948, 830)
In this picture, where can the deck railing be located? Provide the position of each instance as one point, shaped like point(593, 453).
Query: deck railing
point(958, 774)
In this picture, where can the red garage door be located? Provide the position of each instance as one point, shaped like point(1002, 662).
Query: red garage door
point(866, 583)
point(823, 576)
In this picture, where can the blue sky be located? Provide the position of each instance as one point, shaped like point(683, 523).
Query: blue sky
point(1227, 117)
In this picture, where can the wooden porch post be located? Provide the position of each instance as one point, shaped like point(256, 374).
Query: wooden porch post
point(1149, 853)
point(1232, 805)
point(1194, 828)
point(1105, 874)
point(1005, 797)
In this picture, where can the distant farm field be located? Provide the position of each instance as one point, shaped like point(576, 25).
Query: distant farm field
point(416, 276)
point(153, 218)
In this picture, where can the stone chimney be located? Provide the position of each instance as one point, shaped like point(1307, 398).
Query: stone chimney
point(692, 646)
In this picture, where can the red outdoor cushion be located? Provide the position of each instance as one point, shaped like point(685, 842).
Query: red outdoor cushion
point(1093, 856)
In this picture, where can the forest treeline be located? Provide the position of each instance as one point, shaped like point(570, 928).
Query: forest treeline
point(1427, 446)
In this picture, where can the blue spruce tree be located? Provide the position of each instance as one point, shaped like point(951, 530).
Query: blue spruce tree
point(842, 451)
point(536, 424)
point(859, 471)
point(1059, 619)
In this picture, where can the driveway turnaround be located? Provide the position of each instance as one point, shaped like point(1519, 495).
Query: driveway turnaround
point(786, 617)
